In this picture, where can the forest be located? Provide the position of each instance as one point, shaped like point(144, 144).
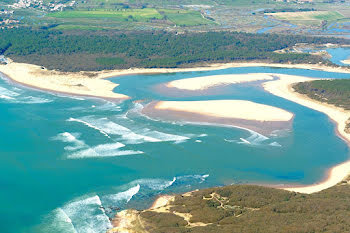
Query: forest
point(98, 50)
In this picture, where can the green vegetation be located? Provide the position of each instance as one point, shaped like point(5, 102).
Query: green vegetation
point(110, 61)
point(97, 50)
point(243, 208)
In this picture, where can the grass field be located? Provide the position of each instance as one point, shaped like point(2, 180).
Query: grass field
point(308, 17)
point(142, 15)
point(185, 17)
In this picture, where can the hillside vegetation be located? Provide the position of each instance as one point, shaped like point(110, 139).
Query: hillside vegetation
point(240, 208)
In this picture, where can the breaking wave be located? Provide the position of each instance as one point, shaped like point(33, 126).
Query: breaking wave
point(84, 215)
point(122, 196)
point(18, 98)
point(141, 135)
point(104, 150)
point(79, 149)
point(89, 125)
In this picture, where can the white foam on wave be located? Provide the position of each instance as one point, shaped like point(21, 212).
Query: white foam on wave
point(254, 139)
point(276, 144)
point(85, 214)
point(6, 97)
point(19, 98)
point(155, 184)
point(33, 100)
point(82, 150)
point(104, 150)
point(108, 106)
point(164, 136)
point(8, 93)
point(71, 138)
point(140, 135)
point(202, 178)
point(126, 196)
point(89, 125)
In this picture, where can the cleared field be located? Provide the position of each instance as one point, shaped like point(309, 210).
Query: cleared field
point(119, 15)
point(308, 17)
point(185, 17)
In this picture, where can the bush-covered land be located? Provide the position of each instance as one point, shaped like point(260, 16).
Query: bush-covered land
point(253, 209)
point(77, 50)
point(336, 92)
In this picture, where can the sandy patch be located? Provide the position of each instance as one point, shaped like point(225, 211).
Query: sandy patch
point(203, 83)
point(238, 109)
point(346, 61)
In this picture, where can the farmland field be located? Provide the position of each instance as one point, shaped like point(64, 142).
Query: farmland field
point(121, 15)
point(308, 17)
point(185, 17)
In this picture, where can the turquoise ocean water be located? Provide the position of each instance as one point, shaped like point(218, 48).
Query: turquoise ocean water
point(67, 164)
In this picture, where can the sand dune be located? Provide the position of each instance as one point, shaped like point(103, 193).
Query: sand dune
point(202, 83)
point(239, 109)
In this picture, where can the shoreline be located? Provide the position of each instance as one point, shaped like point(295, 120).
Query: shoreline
point(283, 88)
point(95, 83)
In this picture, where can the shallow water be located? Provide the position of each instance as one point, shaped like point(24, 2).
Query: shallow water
point(66, 162)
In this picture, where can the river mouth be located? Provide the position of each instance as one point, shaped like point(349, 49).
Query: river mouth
point(69, 163)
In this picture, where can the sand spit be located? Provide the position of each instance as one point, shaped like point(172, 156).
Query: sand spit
point(70, 83)
point(231, 113)
point(283, 88)
point(203, 83)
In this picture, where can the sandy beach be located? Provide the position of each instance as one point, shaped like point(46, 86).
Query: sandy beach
point(238, 109)
point(203, 83)
point(283, 88)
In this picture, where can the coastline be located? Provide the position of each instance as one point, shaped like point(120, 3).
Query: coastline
point(283, 88)
point(95, 83)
